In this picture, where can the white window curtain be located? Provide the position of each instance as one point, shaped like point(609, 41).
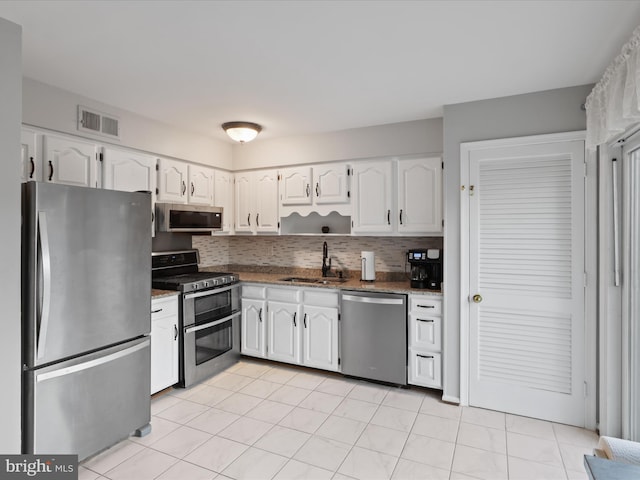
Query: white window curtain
point(613, 106)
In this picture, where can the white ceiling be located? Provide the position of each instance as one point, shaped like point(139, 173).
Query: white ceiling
point(299, 67)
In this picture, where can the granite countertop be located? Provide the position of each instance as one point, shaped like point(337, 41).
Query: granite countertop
point(396, 286)
point(157, 293)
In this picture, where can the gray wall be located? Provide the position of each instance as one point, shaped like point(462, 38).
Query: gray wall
point(551, 111)
point(50, 107)
point(407, 138)
point(10, 113)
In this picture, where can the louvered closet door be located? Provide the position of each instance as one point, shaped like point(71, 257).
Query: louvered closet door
point(526, 346)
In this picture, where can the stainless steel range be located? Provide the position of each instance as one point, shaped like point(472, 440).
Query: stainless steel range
point(209, 313)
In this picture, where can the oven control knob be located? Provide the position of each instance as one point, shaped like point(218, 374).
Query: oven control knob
point(206, 284)
point(194, 286)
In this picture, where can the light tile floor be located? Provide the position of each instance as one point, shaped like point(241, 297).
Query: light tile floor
point(262, 420)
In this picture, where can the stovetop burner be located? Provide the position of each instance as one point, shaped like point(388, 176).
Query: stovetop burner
point(179, 271)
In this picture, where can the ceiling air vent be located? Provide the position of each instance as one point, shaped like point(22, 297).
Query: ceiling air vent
point(98, 123)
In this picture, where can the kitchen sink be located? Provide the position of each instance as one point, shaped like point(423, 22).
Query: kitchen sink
point(324, 281)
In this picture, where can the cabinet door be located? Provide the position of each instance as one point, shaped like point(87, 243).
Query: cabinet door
point(266, 201)
point(253, 328)
point(223, 197)
point(243, 206)
point(29, 156)
point(70, 162)
point(296, 186)
point(320, 337)
point(420, 195)
point(425, 332)
point(331, 184)
point(284, 338)
point(164, 343)
point(425, 369)
point(200, 185)
point(372, 197)
point(130, 172)
point(172, 181)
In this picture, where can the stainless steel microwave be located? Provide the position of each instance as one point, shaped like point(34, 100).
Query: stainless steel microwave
point(176, 217)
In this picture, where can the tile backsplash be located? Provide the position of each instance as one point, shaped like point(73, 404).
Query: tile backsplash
point(306, 251)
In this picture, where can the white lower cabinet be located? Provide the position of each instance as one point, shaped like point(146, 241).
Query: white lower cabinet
point(425, 340)
point(291, 325)
point(164, 342)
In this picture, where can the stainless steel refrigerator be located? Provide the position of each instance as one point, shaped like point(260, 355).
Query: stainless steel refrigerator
point(86, 295)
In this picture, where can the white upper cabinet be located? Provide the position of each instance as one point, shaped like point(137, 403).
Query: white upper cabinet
point(372, 205)
point(296, 186)
point(223, 197)
point(130, 172)
point(30, 156)
point(419, 195)
point(173, 177)
point(331, 183)
point(320, 188)
point(256, 205)
point(70, 161)
point(200, 190)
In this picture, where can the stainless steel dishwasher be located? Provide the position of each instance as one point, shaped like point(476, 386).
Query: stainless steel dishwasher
point(373, 336)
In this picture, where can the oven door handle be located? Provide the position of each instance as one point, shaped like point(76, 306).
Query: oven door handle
point(213, 291)
point(195, 328)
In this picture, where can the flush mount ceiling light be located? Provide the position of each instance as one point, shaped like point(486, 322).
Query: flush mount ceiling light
point(242, 131)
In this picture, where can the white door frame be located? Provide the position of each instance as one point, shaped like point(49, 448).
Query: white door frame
point(590, 307)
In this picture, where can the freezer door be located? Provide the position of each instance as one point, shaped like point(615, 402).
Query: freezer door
point(86, 269)
point(87, 404)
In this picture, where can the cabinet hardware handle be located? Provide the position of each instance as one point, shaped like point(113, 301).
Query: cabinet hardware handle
point(153, 217)
point(257, 218)
point(304, 319)
point(308, 189)
point(294, 319)
point(260, 314)
point(427, 306)
point(317, 189)
point(249, 219)
point(400, 216)
point(425, 356)
point(175, 329)
point(33, 167)
point(50, 170)
point(193, 188)
point(427, 320)
point(388, 217)
point(156, 311)
point(184, 187)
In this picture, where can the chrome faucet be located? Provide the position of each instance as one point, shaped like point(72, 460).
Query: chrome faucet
point(325, 256)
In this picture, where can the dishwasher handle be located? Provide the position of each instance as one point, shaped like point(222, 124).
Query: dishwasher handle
point(376, 300)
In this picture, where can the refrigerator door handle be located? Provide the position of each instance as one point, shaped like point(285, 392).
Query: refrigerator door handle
point(43, 237)
point(41, 377)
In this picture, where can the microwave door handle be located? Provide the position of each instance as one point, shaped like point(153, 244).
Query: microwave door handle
point(45, 266)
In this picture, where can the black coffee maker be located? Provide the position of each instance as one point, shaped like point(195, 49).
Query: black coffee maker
point(426, 268)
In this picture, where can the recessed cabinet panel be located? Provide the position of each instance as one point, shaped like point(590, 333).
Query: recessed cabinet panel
point(425, 369)
point(253, 327)
point(419, 195)
point(426, 333)
point(284, 341)
point(164, 343)
point(257, 202)
point(200, 190)
point(30, 156)
point(372, 202)
point(320, 337)
point(223, 197)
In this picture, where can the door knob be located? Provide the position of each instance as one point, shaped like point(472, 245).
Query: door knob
point(477, 298)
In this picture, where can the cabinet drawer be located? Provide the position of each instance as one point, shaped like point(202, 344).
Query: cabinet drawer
point(290, 295)
point(425, 369)
point(320, 298)
point(425, 305)
point(164, 307)
point(254, 291)
point(425, 332)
